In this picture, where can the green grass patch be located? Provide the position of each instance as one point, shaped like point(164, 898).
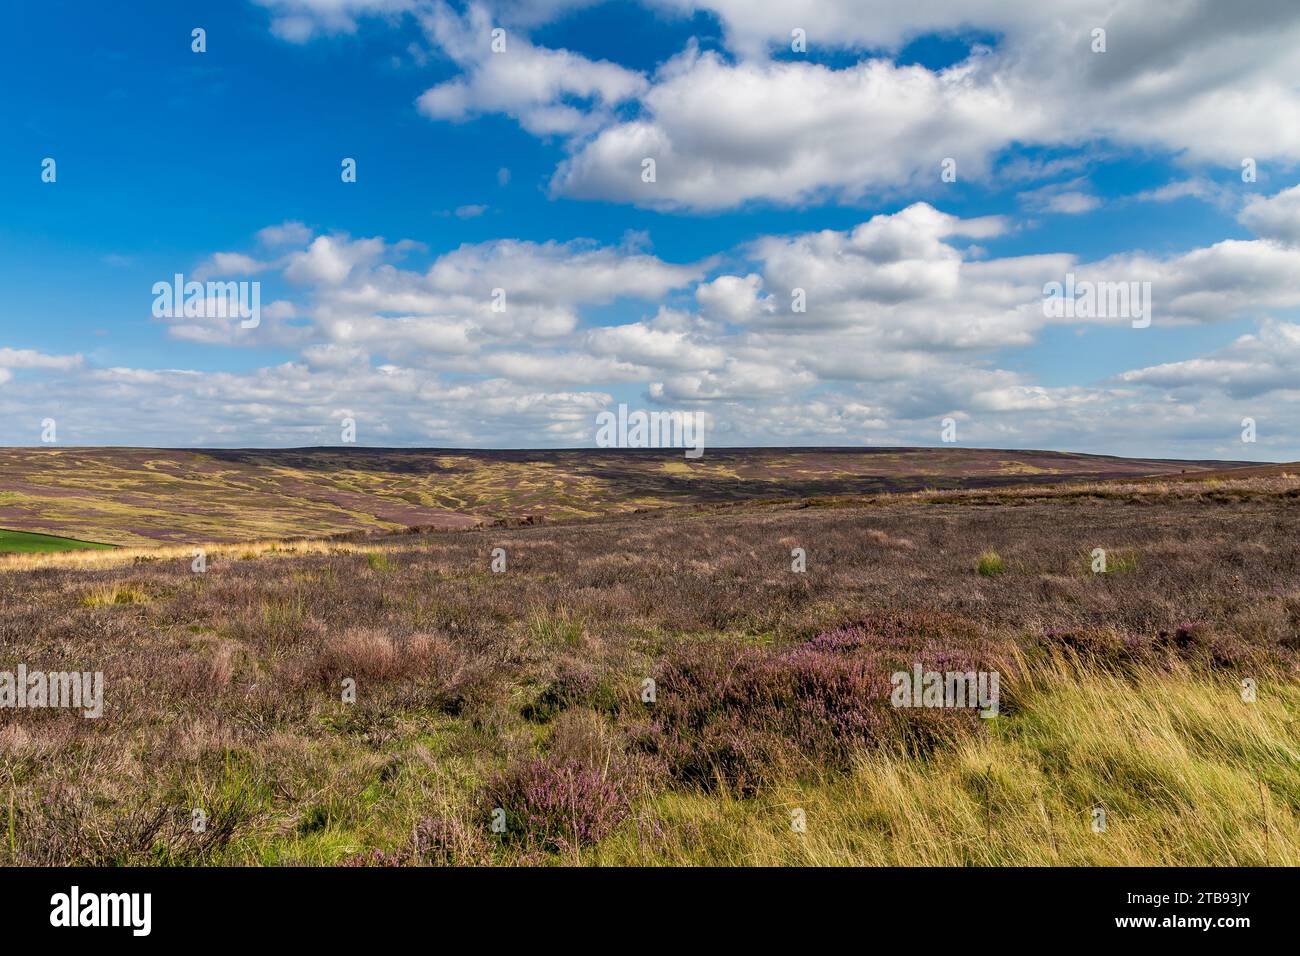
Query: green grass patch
point(29, 542)
point(555, 630)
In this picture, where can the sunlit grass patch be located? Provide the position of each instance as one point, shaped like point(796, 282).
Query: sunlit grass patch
point(110, 594)
point(1092, 768)
point(990, 563)
point(29, 542)
point(559, 628)
point(1111, 561)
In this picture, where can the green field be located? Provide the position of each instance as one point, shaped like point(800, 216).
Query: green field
point(27, 542)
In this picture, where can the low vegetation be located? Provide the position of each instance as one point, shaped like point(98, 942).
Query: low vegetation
point(27, 542)
point(147, 496)
point(666, 689)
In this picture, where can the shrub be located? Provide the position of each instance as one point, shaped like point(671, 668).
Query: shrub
point(558, 804)
point(283, 617)
point(449, 841)
point(575, 682)
point(744, 717)
point(376, 655)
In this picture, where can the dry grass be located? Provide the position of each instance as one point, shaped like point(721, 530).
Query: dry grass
point(1185, 773)
point(184, 554)
point(114, 594)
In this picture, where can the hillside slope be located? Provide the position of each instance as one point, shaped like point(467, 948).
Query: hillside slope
point(138, 496)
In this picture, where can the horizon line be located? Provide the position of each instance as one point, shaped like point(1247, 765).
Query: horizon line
point(596, 449)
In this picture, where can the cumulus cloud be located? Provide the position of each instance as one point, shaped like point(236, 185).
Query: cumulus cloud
point(352, 297)
point(657, 344)
point(221, 325)
point(29, 358)
point(547, 91)
point(1263, 361)
point(1197, 80)
point(1274, 217)
point(1203, 82)
point(722, 133)
point(329, 260)
point(553, 272)
point(903, 326)
point(753, 29)
point(735, 299)
point(1232, 279)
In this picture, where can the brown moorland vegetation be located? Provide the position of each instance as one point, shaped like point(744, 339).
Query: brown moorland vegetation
point(524, 692)
point(147, 496)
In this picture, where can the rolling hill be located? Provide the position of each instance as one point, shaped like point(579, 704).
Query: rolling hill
point(139, 496)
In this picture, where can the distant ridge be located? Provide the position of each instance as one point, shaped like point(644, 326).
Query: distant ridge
point(153, 495)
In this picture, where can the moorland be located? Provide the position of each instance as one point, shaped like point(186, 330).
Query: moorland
point(663, 685)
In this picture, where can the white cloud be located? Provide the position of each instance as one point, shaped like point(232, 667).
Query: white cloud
point(288, 233)
point(1207, 83)
point(11, 359)
point(643, 343)
point(1197, 187)
point(298, 21)
point(555, 272)
point(1274, 217)
point(735, 299)
point(724, 133)
point(329, 260)
point(752, 28)
point(1069, 199)
point(1196, 80)
point(1254, 364)
point(547, 91)
point(903, 327)
point(1228, 280)
point(227, 264)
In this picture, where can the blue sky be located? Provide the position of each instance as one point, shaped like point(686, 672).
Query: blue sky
point(776, 169)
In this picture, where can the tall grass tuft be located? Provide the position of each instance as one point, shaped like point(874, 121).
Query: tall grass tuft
point(110, 594)
point(1185, 773)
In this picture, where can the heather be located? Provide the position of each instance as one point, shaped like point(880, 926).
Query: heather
point(527, 691)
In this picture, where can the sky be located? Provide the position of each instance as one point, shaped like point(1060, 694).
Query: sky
point(811, 223)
